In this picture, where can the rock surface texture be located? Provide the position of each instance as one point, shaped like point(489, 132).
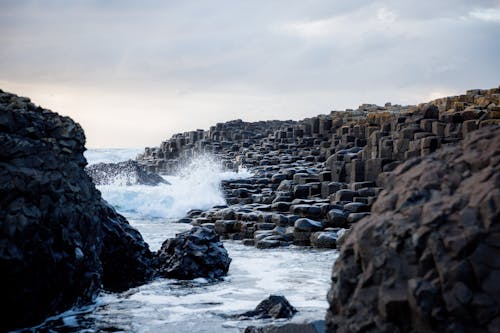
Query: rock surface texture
point(123, 173)
point(196, 253)
point(428, 258)
point(59, 242)
point(274, 306)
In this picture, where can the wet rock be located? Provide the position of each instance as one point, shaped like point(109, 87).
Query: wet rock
point(324, 239)
point(336, 218)
point(272, 307)
point(59, 241)
point(126, 173)
point(426, 257)
point(268, 243)
point(193, 254)
point(317, 326)
point(308, 225)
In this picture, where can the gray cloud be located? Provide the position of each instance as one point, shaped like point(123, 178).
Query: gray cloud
point(258, 59)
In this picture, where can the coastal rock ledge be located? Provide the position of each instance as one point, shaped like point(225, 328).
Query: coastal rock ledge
point(428, 257)
point(59, 241)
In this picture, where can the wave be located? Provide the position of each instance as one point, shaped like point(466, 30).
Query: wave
point(195, 186)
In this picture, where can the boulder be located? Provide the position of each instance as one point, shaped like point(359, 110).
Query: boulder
point(59, 241)
point(123, 173)
point(308, 225)
point(324, 239)
point(272, 307)
point(193, 254)
point(426, 260)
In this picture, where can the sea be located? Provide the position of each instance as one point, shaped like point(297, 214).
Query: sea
point(300, 274)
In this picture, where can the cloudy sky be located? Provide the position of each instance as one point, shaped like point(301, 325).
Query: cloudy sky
point(135, 72)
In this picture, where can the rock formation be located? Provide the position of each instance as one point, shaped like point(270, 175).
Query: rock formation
point(427, 259)
point(193, 254)
point(316, 177)
point(123, 173)
point(274, 306)
point(424, 257)
point(58, 240)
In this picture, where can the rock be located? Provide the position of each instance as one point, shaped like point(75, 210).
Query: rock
point(193, 254)
point(336, 218)
point(272, 307)
point(317, 326)
point(123, 173)
point(324, 239)
point(59, 241)
point(267, 243)
point(355, 217)
point(309, 225)
point(426, 259)
point(342, 235)
point(345, 195)
point(356, 207)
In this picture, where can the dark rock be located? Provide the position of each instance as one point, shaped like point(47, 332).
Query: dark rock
point(308, 225)
point(355, 217)
point(124, 173)
point(426, 259)
point(336, 218)
point(193, 254)
point(267, 243)
point(317, 326)
point(272, 307)
point(324, 239)
point(356, 207)
point(59, 241)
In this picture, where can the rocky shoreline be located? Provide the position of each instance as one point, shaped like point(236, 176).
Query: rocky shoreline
point(409, 194)
point(60, 242)
point(316, 177)
point(316, 182)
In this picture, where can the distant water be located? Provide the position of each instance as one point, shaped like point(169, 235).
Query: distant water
point(111, 155)
point(301, 275)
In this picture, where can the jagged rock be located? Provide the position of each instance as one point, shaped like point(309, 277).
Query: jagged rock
point(123, 173)
point(272, 307)
point(193, 254)
point(427, 257)
point(58, 240)
point(125, 257)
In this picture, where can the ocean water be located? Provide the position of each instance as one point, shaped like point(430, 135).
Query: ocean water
point(302, 275)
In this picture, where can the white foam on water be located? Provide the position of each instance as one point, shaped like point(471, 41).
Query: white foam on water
point(195, 186)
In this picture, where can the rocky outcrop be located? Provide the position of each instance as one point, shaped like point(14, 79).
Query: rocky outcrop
point(123, 173)
point(427, 259)
point(59, 242)
point(196, 253)
point(316, 177)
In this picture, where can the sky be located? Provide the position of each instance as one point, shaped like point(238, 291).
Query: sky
point(133, 73)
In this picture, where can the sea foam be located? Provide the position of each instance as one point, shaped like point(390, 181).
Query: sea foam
point(195, 186)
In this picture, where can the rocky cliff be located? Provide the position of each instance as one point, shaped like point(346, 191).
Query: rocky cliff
point(59, 241)
point(427, 259)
